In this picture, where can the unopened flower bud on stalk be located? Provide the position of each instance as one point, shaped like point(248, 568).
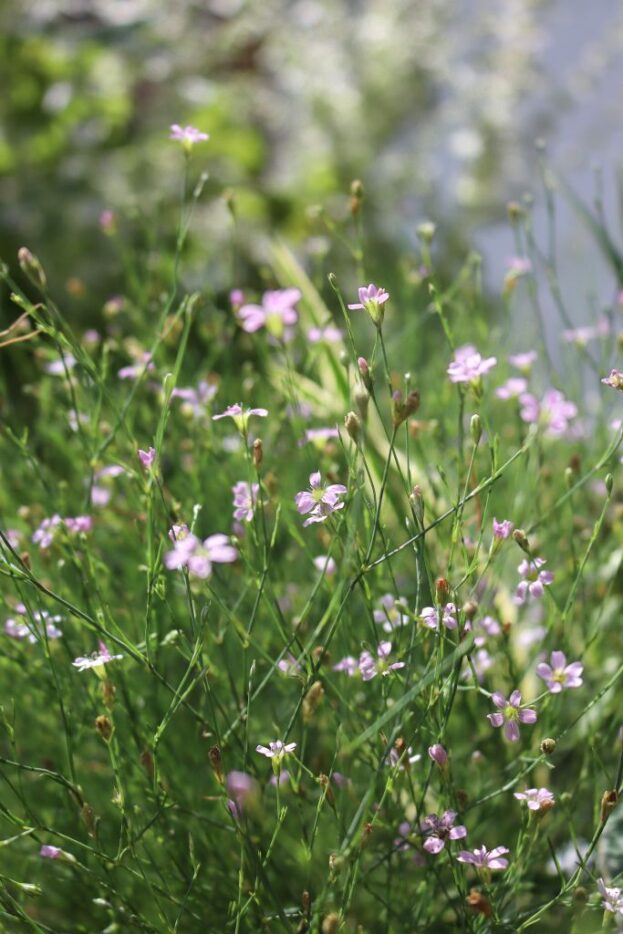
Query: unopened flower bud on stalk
point(475, 428)
point(417, 502)
point(442, 590)
point(522, 540)
point(258, 453)
point(609, 483)
point(104, 727)
point(356, 196)
point(31, 266)
point(426, 231)
point(362, 400)
point(548, 746)
point(312, 701)
point(216, 761)
point(438, 754)
point(353, 425)
point(609, 801)
point(403, 407)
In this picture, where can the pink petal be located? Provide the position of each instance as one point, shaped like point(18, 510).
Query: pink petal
point(511, 731)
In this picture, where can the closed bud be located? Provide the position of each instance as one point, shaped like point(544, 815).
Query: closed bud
point(609, 801)
point(331, 923)
point(356, 197)
point(312, 700)
point(325, 783)
point(104, 727)
point(403, 407)
point(31, 267)
point(609, 483)
point(522, 540)
point(365, 372)
point(90, 820)
point(147, 761)
point(548, 746)
point(416, 499)
point(362, 401)
point(479, 903)
point(475, 428)
point(569, 479)
point(426, 231)
point(258, 453)
point(109, 692)
point(353, 425)
point(470, 608)
point(332, 281)
point(306, 902)
point(514, 211)
point(442, 590)
point(216, 761)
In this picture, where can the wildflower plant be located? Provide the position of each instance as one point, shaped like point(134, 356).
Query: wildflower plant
point(225, 599)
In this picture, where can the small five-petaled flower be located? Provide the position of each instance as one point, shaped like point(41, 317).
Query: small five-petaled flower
point(319, 501)
point(510, 714)
point(558, 675)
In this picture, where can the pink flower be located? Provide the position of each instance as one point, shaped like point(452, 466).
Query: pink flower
point(188, 135)
point(511, 714)
point(371, 299)
point(48, 851)
point(390, 613)
point(328, 334)
point(395, 759)
point(523, 361)
point(370, 667)
point(583, 335)
point(147, 457)
point(33, 632)
point(195, 401)
point(348, 665)
point(240, 415)
point(559, 675)
point(136, 370)
point(612, 898)
point(537, 799)
point(468, 366)
point(438, 754)
point(553, 412)
point(44, 535)
point(534, 580)
point(324, 563)
point(241, 788)
point(485, 859)
point(245, 500)
point(276, 750)
point(429, 617)
point(512, 388)
point(318, 436)
point(615, 380)
point(78, 524)
point(289, 665)
point(96, 661)
point(440, 829)
point(276, 312)
point(502, 529)
point(320, 501)
point(196, 556)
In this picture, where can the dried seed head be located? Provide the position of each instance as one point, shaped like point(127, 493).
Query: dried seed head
point(104, 727)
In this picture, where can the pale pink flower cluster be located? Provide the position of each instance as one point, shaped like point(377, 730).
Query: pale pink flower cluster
point(48, 529)
point(429, 616)
point(195, 555)
point(468, 365)
point(553, 412)
point(276, 313)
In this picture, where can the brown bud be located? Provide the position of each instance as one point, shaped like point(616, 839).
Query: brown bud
point(470, 608)
point(580, 894)
point(306, 902)
point(25, 559)
point(109, 692)
point(147, 761)
point(522, 540)
point(325, 783)
point(104, 727)
point(31, 266)
point(479, 903)
point(320, 655)
point(331, 923)
point(258, 453)
point(312, 700)
point(462, 798)
point(609, 801)
point(90, 820)
point(216, 761)
point(548, 746)
point(515, 211)
point(442, 590)
point(362, 401)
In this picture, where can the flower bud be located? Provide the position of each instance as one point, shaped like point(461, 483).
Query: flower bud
point(442, 590)
point(31, 267)
point(609, 801)
point(108, 691)
point(479, 903)
point(312, 700)
point(90, 820)
point(548, 746)
point(331, 923)
point(258, 453)
point(365, 372)
point(438, 754)
point(216, 761)
point(356, 197)
point(417, 503)
point(522, 540)
point(362, 400)
point(104, 727)
point(609, 483)
point(353, 425)
point(514, 211)
point(402, 408)
point(426, 231)
point(475, 428)
point(470, 608)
